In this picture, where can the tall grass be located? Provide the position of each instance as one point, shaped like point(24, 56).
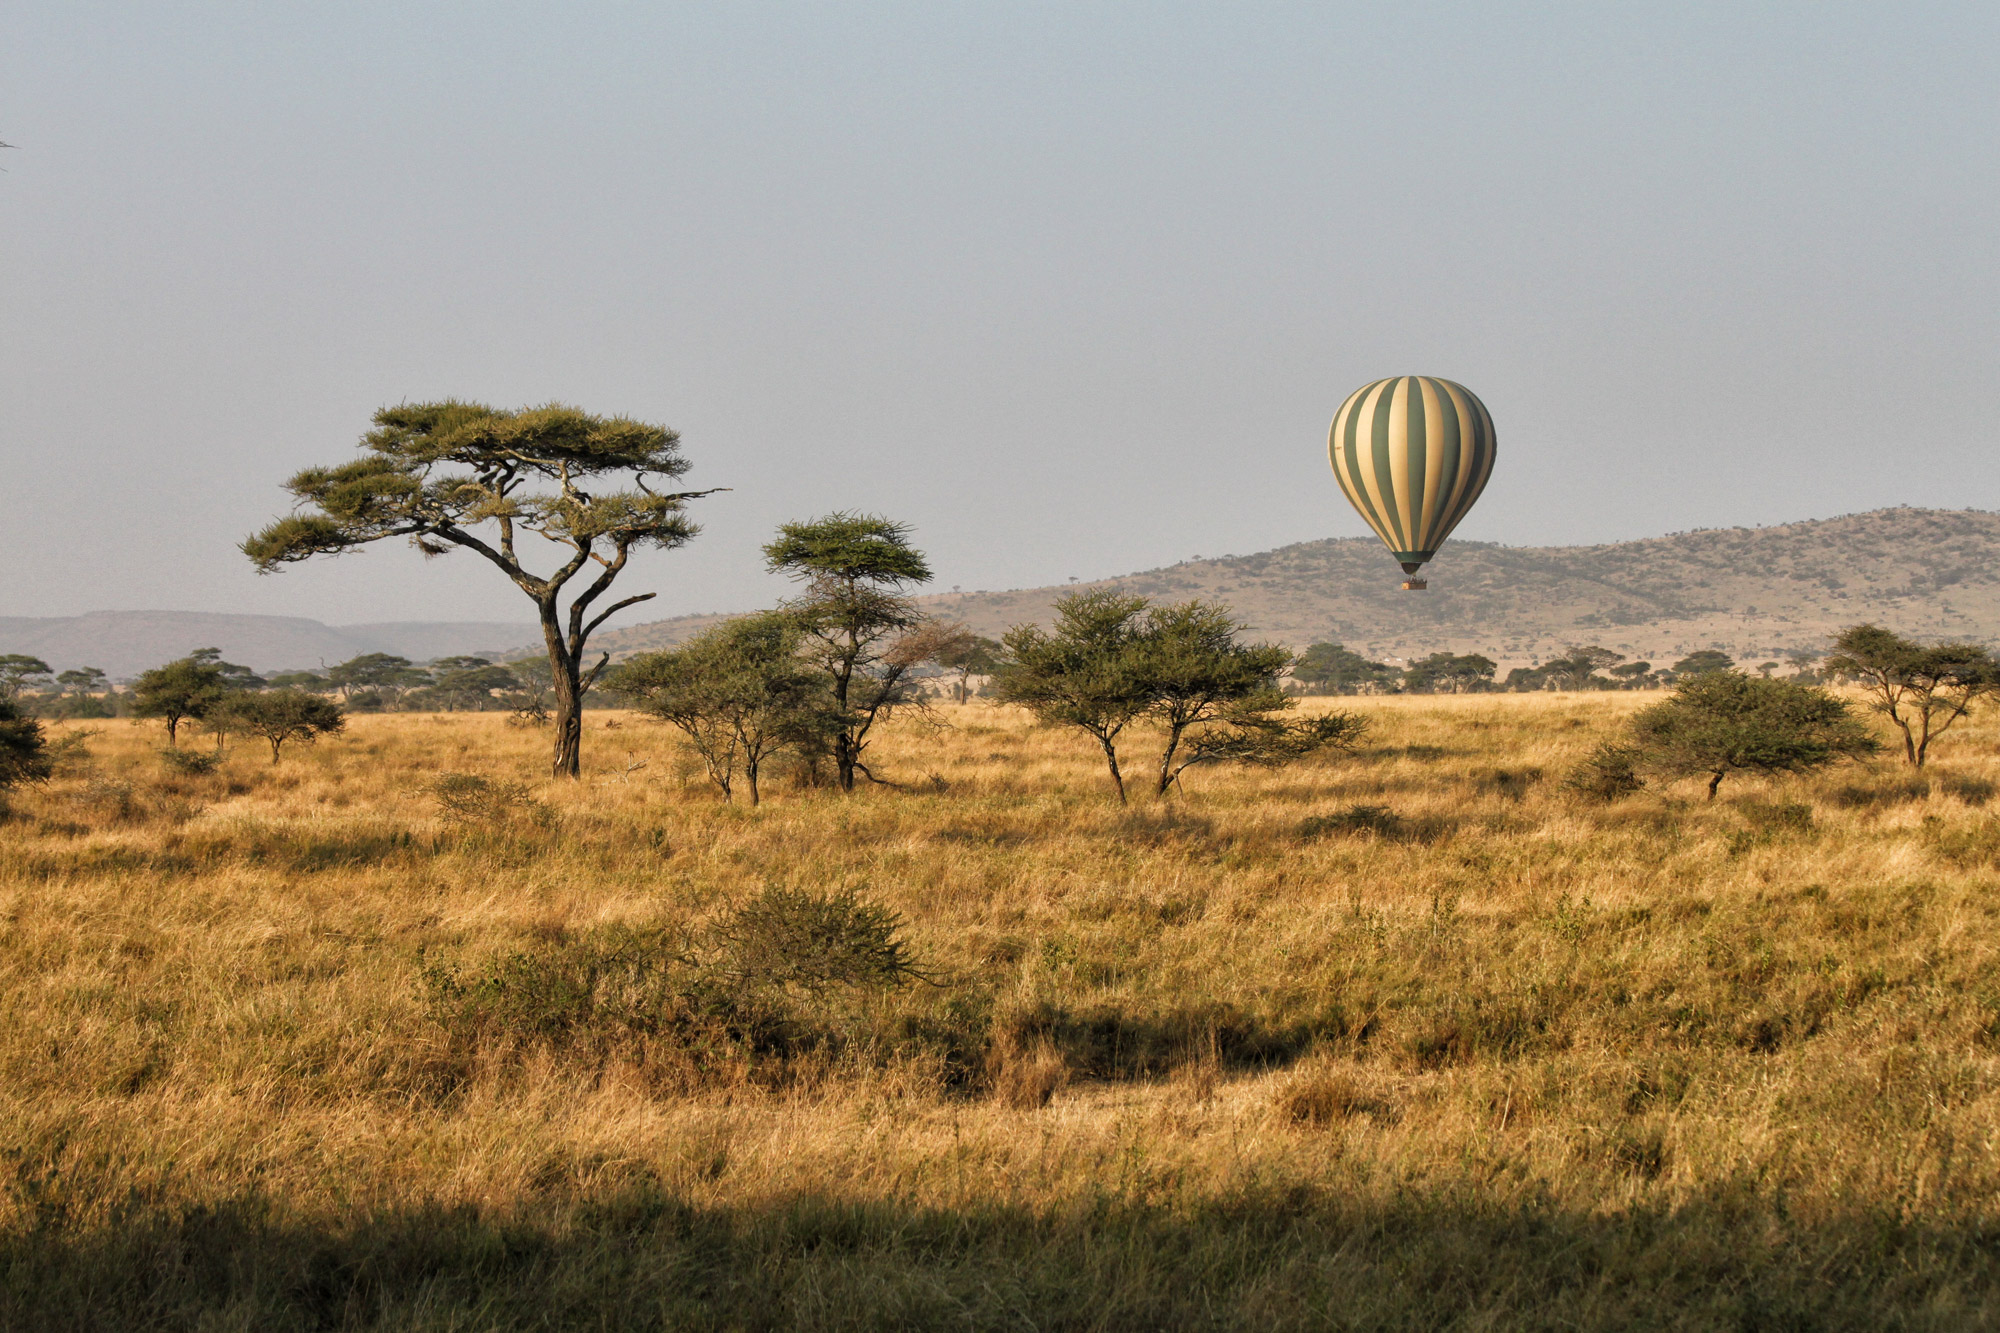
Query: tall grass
point(1415, 1037)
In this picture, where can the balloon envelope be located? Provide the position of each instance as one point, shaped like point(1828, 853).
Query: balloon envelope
point(1412, 453)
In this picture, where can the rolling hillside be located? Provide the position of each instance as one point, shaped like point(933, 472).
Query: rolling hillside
point(125, 643)
point(1753, 592)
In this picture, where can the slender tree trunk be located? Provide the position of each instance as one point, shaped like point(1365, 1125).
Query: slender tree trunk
point(750, 780)
point(1111, 758)
point(1923, 742)
point(274, 749)
point(564, 673)
point(1713, 783)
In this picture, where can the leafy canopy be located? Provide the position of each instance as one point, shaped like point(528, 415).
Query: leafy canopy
point(1720, 722)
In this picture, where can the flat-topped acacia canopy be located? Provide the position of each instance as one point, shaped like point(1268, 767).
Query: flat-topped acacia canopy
point(443, 473)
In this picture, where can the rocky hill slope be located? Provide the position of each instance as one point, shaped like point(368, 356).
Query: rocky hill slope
point(1752, 592)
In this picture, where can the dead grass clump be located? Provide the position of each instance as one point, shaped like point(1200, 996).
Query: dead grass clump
point(468, 798)
point(1608, 774)
point(1355, 821)
point(1026, 1075)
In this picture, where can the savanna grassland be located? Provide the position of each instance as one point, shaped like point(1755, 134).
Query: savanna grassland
point(1407, 1038)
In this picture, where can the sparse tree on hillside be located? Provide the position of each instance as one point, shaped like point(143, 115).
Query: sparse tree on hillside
point(740, 693)
point(858, 626)
point(1722, 722)
point(279, 716)
point(1923, 691)
point(437, 473)
point(188, 688)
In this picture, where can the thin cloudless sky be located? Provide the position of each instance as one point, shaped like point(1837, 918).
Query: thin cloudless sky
point(1072, 288)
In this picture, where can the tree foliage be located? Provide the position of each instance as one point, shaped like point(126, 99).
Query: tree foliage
point(740, 693)
point(1449, 673)
point(1722, 722)
point(1332, 668)
point(19, 671)
point(1922, 690)
point(859, 629)
point(280, 716)
point(24, 749)
point(464, 475)
point(189, 688)
point(1112, 660)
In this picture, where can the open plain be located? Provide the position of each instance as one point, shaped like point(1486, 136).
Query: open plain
point(1408, 1038)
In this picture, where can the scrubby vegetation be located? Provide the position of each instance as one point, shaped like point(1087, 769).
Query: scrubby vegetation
point(1421, 1035)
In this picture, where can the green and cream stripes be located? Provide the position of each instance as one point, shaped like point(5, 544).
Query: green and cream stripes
point(1412, 453)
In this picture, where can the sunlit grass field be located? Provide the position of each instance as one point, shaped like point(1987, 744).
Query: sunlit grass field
point(1500, 1057)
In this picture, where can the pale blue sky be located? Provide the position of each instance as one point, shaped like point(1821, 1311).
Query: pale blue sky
point(1072, 288)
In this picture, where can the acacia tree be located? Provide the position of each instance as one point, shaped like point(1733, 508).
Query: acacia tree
point(1083, 673)
point(859, 629)
point(188, 688)
point(1922, 690)
point(435, 472)
point(739, 692)
point(967, 654)
point(24, 749)
point(280, 715)
point(1723, 722)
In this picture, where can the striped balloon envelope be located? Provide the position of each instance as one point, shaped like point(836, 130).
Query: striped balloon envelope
point(1412, 453)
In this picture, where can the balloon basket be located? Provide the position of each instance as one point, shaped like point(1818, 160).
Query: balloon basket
point(1415, 585)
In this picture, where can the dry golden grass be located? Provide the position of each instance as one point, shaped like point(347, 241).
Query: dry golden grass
point(1521, 1061)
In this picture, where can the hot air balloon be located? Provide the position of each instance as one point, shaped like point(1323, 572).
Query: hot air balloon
point(1412, 453)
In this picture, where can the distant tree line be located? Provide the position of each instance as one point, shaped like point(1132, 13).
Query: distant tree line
point(1332, 668)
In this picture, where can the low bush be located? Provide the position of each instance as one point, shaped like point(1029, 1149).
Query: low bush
point(1609, 773)
point(191, 763)
point(467, 798)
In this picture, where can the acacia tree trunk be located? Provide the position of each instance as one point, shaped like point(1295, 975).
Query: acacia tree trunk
point(566, 678)
point(1111, 758)
point(1714, 782)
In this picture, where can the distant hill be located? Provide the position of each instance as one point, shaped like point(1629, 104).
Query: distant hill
point(1752, 592)
point(125, 643)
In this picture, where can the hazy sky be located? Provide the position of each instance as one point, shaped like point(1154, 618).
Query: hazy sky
point(1074, 289)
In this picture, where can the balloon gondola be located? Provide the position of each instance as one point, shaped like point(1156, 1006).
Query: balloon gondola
point(1412, 454)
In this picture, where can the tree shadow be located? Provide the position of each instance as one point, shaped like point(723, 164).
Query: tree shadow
point(1272, 1258)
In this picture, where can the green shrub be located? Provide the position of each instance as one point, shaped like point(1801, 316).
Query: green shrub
point(193, 763)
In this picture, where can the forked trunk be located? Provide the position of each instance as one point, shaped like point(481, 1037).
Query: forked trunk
point(1713, 783)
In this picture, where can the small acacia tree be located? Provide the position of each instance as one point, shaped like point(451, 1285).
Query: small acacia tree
point(280, 716)
point(1922, 690)
point(1333, 668)
point(966, 655)
point(436, 472)
point(188, 689)
point(1111, 661)
point(739, 692)
point(1722, 722)
point(1083, 673)
point(859, 629)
